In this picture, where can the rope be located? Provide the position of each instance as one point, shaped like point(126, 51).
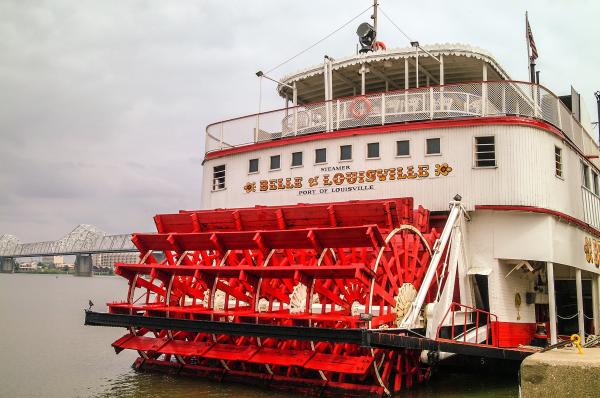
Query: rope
point(591, 340)
point(566, 317)
point(573, 316)
point(393, 23)
point(318, 42)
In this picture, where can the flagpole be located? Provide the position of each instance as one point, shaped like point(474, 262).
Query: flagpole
point(528, 48)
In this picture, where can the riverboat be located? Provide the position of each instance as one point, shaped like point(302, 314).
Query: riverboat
point(416, 192)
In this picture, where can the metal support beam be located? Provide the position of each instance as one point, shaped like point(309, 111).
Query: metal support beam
point(580, 318)
point(551, 302)
point(406, 82)
point(412, 315)
point(350, 82)
point(441, 70)
point(363, 337)
point(382, 75)
point(596, 302)
point(363, 72)
point(426, 72)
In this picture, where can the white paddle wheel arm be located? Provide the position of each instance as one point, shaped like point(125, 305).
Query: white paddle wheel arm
point(411, 317)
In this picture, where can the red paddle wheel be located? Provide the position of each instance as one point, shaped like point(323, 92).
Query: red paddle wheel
point(336, 265)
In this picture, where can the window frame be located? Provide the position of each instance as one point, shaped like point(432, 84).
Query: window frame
point(475, 152)
point(257, 166)
point(559, 170)
point(585, 176)
point(595, 188)
point(271, 163)
point(292, 165)
point(321, 149)
point(215, 179)
point(378, 151)
point(403, 156)
point(426, 149)
point(340, 157)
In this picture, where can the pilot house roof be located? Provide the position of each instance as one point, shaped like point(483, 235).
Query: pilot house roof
point(385, 70)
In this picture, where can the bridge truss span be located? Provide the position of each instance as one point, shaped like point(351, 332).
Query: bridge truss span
point(84, 239)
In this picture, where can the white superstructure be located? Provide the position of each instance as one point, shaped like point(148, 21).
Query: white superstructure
point(430, 123)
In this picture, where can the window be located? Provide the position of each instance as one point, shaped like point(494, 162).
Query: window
point(595, 186)
point(219, 177)
point(296, 159)
point(253, 166)
point(485, 151)
point(585, 175)
point(373, 150)
point(403, 148)
point(320, 155)
point(433, 146)
point(558, 170)
point(275, 162)
point(346, 152)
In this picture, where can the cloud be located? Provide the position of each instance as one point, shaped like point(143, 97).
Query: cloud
point(104, 104)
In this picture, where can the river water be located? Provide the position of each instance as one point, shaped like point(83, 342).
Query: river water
point(46, 351)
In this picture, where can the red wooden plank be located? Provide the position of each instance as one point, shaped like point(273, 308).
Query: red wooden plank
point(313, 271)
point(349, 236)
point(274, 356)
point(194, 241)
point(185, 348)
point(230, 352)
point(166, 223)
point(141, 343)
point(216, 220)
point(237, 240)
point(154, 241)
point(339, 363)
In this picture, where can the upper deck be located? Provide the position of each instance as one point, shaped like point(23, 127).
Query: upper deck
point(398, 86)
point(458, 100)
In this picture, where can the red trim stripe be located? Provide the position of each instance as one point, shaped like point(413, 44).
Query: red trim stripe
point(391, 128)
point(532, 209)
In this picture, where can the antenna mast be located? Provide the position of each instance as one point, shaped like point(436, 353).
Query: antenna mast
point(374, 17)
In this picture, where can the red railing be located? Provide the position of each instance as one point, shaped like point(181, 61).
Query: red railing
point(482, 319)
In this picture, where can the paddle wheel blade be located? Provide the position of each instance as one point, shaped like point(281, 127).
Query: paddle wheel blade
point(337, 265)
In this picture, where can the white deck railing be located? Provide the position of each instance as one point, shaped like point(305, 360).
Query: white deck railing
point(477, 99)
point(591, 207)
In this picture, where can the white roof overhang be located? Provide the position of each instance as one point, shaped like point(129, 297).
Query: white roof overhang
point(462, 63)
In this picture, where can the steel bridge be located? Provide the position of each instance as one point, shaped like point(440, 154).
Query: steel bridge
point(82, 242)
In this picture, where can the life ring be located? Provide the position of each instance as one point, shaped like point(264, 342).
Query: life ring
point(362, 111)
point(379, 45)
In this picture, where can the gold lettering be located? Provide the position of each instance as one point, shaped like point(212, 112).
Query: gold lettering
point(392, 173)
point(371, 175)
point(401, 175)
point(264, 185)
point(351, 177)
point(410, 172)
point(361, 177)
point(382, 174)
point(338, 178)
point(326, 180)
point(422, 171)
point(297, 182)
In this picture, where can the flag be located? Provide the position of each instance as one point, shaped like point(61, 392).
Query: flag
point(534, 54)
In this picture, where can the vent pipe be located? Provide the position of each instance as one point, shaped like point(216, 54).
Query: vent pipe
point(597, 95)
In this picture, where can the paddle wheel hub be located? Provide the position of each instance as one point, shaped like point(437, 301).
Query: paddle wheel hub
point(340, 265)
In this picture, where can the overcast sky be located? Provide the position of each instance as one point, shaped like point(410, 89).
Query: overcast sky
point(103, 104)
